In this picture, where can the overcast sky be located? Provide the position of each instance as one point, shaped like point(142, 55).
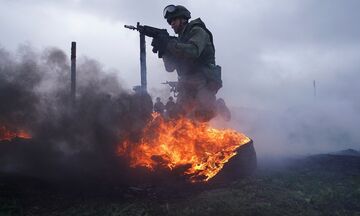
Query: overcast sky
point(270, 51)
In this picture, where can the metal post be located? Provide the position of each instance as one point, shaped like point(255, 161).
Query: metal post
point(142, 61)
point(314, 88)
point(73, 71)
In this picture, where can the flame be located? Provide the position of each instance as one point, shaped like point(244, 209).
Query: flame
point(183, 143)
point(6, 134)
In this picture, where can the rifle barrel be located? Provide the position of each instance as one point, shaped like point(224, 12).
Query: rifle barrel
point(130, 27)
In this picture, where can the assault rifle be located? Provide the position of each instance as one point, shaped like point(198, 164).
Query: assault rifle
point(148, 30)
point(173, 86)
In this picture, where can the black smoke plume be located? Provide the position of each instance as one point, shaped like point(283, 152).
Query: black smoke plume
point(69, 142)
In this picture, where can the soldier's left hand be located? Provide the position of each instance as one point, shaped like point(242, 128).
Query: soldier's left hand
point(155, 46)
point(159, 43)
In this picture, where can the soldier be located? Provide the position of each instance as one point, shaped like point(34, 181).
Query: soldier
point(159, 107)
point(192, 55)
point(170, 108)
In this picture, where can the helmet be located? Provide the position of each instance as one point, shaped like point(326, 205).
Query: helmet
point(172, 11)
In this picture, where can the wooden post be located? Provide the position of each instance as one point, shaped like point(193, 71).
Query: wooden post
point(73, 71)
point(143, 62)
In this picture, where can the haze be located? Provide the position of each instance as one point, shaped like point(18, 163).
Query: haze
point(270, 52)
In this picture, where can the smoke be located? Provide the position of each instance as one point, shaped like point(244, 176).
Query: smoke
point(320, 126)
point(68, 141)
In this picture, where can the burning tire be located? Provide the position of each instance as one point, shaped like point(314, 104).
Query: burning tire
point(241, 165)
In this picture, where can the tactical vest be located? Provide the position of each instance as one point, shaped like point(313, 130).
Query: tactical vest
point(208, 54)
point(206, 62)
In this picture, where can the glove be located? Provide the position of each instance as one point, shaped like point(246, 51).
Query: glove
point(160, 43)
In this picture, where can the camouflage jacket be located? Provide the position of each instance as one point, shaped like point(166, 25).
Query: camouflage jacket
point(191, 51)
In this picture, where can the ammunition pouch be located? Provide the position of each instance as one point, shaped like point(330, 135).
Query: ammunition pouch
point(213, 77)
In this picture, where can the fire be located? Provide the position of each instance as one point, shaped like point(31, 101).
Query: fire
point(203, 150)
point(6, 134)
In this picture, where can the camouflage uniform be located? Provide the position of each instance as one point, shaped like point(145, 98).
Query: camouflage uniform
point(192, 55)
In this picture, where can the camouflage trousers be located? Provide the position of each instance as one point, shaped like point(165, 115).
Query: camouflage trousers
point(195, 100)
